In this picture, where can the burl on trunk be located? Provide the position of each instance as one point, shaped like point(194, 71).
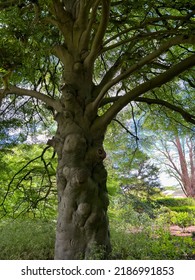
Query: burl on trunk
point(81, 182)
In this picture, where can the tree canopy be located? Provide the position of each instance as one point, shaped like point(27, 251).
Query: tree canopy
point(129, 49)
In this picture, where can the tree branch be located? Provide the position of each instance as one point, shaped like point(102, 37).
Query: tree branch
point(97, 41)
point(143, 24)
point(149, 85)
point(188, 117)
point(126, 129)
point(163, 48)
point(153, 35)
point(86, 34)
point(108, 100)
point(107, 78)
point(27, 92)
point(64, 20)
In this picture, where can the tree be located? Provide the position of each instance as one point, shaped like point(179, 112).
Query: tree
point(108, 53)
point(180, 161)
point(30, 171)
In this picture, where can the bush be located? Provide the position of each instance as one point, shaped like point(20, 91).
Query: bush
point(185, 208)
point(176, 202)
point(27, 239)
point(183, 219)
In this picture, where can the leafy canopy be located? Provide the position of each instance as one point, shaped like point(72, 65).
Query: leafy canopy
point(123, 52)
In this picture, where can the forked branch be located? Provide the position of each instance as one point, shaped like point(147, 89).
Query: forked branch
point(98, 39)
point(144, 61)
point(147, 86)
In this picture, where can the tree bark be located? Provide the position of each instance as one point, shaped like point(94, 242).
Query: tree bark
point(187, 169)
point(82, 226)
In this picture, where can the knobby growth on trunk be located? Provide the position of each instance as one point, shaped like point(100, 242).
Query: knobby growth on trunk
point(109, 54)
point(81, 180)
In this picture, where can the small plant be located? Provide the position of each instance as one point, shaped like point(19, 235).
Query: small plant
point(183, 219)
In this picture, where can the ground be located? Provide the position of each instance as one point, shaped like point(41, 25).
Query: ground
point(178, 231)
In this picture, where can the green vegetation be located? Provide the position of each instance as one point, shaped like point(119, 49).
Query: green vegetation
point(27, 239)
point(139, 217)
point(174, 202)
point(158, 245)
point(138, 237)
point(28, 184)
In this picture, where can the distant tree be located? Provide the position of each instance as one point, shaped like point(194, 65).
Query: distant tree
point(180, 162)
point(144, 181)
point(84, 61)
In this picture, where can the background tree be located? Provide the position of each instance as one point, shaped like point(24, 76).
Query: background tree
point(179, 155)
point(85, 61)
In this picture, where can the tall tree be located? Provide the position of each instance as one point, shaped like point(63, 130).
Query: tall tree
point(109, 53)
point(180, 161)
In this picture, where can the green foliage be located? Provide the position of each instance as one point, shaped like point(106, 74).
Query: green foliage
point(128, 166)
point(27, 239)
point(174, 202)
point(183, 219)
point(27, 181)
point(157, 245)
point(34, 239)
point(185, 208)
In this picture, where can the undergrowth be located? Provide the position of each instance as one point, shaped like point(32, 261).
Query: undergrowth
point(134, 235)
point(27, 240)
point(159, 245)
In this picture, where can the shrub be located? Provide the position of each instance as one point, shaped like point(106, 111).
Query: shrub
point(185, 208)
point(183, 219)
point(174, 202)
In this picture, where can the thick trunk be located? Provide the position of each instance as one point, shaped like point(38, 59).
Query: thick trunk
point(82, 225)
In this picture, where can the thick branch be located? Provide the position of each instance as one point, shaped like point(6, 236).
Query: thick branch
point(109, 100)
point(86, 34)
point(149, 85)
point(97, 42)
point(63, 20)
point(27, 92)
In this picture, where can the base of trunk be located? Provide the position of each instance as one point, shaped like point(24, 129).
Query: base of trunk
point(82, 227)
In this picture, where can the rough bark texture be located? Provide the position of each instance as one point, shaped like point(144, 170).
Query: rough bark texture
point(81, 182)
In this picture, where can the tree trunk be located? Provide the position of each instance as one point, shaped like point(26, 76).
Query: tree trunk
point(187, 169)
point(82, 226)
